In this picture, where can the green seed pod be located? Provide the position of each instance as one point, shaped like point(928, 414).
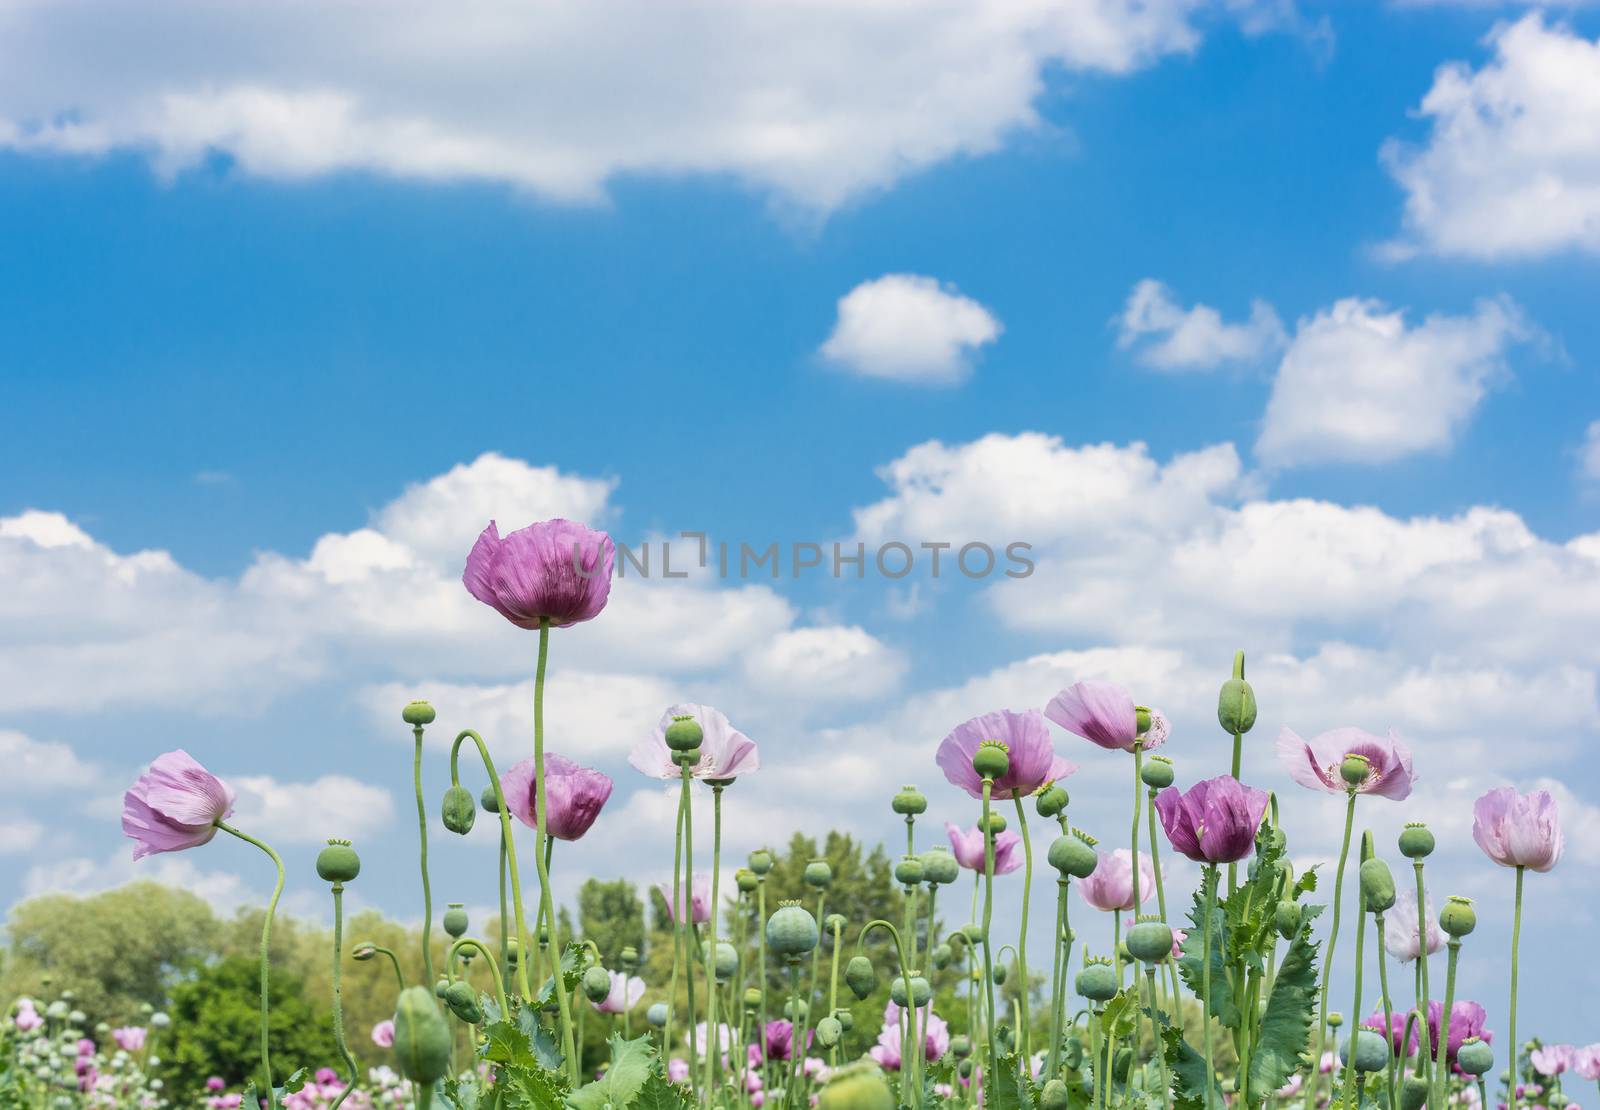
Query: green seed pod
point(455, 919)
point(760, 861)
point(860, 977)
point(860, 1086)
point(908, 872)
point(489, 800)
point(940, 956)
point(1372, 1051)
point(792, 931)
point(1335, 1019)
point(1157, 772)
point(1150, 941)
point(1287, 919)
point(1475, 1057)
point(596, 984)
point(462, 1002)
point(417, 713)
point(1236, 702)
point(684, 734)
point(847, 1020)
point(727, 961)
point(656, 1015)
point(818, 874)
point(997, 822)
point(964, 1069)
point(1000, 972)
point(1377, 885)
point(421, 1037)
point(991, 760)
point(939, 866)
point(1054, 1096)
point(1072, 855)
point(961, 1046)
point(1050, 800)
point(1098, 980)
point(1457, 918)
point(1413, 1092)
point(338, 862)
point(458, 810)
point(909, 802)
point(829, 1031)
point(796, 1009)
point(897, 992)
point(752, 998)
point(746, 880)
point(834, 925)
point(1416, 842)
point(1355, 769)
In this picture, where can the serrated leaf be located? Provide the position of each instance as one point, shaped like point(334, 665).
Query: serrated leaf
point(1190, 966)
point(572, 968)
point(458, 1095)
point(1188, 1070)
point(531, 1088)
point(1286, 1023)
point(659, 1094)
point(505, 1043)
point(632, 1064)
point(1006, 1089)
point(1116, 1020)
point(1307, 883)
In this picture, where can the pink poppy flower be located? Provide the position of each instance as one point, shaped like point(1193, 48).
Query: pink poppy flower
point(699, 899)
point(216, 1083)
point(174, 805)
point(1100, 712)
point(1110, 886)
point(575, 794)
point(1396, 1030)
point(1586, 1062)
point(555, 568)
point(1400, 934)
point(725, 752)
point(383, 1034)
point(1467, 1019)
point(1315, 763)
point(1033, 761)
point(1551, 1059)
point(624, 995)
point(967, 846)
point(129, 1038)
point(1518, 830)
point(677, 1069)
point(1215, 822)
point(27, 1019)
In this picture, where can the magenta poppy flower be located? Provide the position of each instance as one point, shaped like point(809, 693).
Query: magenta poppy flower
point(1110, 886)
point(1466, 1020)
point(778, 1038)
point(1551, 1059)
point(725, 752)
point(558, 569)
point(1100, 712)
point(216, 1083)
point(699, 899)
point(86, 1046)
point(383, 1034)
point(1396, 1030)
point(129, 1038)
point(967, 846)
point(1034, 762)
point(174, 805)
point(576, 795)
point(1215, 822)
point(1518, 830)
point(1400, 935)
point(1315, 763)
point(624, 994)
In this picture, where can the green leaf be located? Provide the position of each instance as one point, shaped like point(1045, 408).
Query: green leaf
point(1119, 1015)
point(505, 1043)
point(1286, 1023)
point(458, 1095)
point(1307, 883)
point(541, 1039)
point(572, 969)
point(1223, 1006)
point(658, 1094)
point(1188, 1070)
point(1007, 1091)
point(632, 1064)
point(531, 1088)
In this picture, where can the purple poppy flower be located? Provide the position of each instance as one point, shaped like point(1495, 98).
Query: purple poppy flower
point(216, 1083)
point(129, 1038)
point(1466, 1020)
point(725, 752)
point(1315, 763)
point(1395, 1031)
point(1110, 886)
point(558, 569)
point(1215, 822)
point(576, 795)
point(778, 1037)
point(677, 1069)
point(967, 846)
point(624, 994)
point(174, 805)
point(1034, 762)
point(1100, 712)
point(1518, 830)
point(699, 899)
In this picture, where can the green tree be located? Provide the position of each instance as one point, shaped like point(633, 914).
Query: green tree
point(611, 915)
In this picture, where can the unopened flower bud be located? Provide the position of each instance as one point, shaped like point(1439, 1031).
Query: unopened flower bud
point(991, 760)
point(1377, 885)
point(1000, 972)
point(1050, 800)
point(1236, 702)
point(1416, 842)
point(1054, 1096)
point(338, 862)
point(829, 1031)
point(792, 931)
point(363, 952)
point(818, 874)
point(463, 1002)
point(752, 998)
point(1457, 917)
point(964, 1069)
point(656, 1015)
point(745, 879)
point(1072, 855)
point(796, 1009)
point(458, 810)
point(596, 984)
point(1413, 1092)
point(973, 931)
point(417, 713)
point(760, 861)
point(860, 1086)
point(1355, 769)
point(847, 1020)
point(909, 802)
point(940, 956)
point(684, 734)
point(421, 1037)
point(908, 872)
point(727, 961)
point(455, 919)
point(1287, 919)
point(834, 924)
point(1157, 773)
point(489, 800)
point(1098, 980)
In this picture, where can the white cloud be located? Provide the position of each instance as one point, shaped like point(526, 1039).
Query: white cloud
point(1589, 453)
point(848, 663)
point(18, 835)
point(1358, 384)
point(1196, 338)
point(909, 328)
point(38, 767)
point(309, 812)
point(1511, 166)
point(816, 103)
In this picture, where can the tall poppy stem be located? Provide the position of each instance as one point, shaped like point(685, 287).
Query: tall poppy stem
point(1516, 938)
point(422, 840)
point(1024, 987)
point(266, 943)
point(524, 952)
point(988, 915)
point(1210, 883)
point(1333, 939)
point(546, 904)
point(711, 942)
point(1442, 1049)
point(678, 914)
point(338, 994)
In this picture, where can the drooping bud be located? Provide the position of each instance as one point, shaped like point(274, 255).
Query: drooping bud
point(1355, 769)
point(829, 1031)
point(908, 872)
point(417, 713)
point(1413, 1092)
point(1377, 885)
point(818, 874)
point(1051, 800)
point(1150, 940)
point(1236, 702)
point(909, 802)
point(596, 984)
point(421, 1037)
point(1000, 972)
point(961, 1046)
point(1073, 855)
point(1457, 917)
point(455, 919)
point(1416, 842)
point(463, 1002)
point(792, 931)
point(684, 734)
point(1098, 980)
point(1054, 1096)
point(1287, 919)
point(847, 1020)
point(1157, 772)
point(338, 862)
point(940, 956)
point(458, 810)
point(991, 760)
point(489, 800)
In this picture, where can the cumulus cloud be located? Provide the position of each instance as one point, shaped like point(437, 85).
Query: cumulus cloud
point(1358, 384)
point(1511, 165)
point(816, 104)
point(42, 766)
point(848, 662)
point(1589, 453)
point(1166, 336)
point(309, 812)
point(909, 328)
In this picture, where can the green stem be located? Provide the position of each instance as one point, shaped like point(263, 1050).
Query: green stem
point(1057, 999)
point(1516, 938)
point(1210, 884)
point(546, 905)
point(1388, 1005)
point(988, 915)
point(494, 972)
point(678, 915)
point(1327, 960)
point(524, 949)
point(505, 949)
point(1422, 939)
point(1158, 1048)
point(422, 836)
point(1436, 1088)
point(338, 993)
point(761, 957)
point(1161, 903)
point(1355, 1009)
point(394, 961)
point(691, 940)
point(266, 942)
point(711, 943)
point(1024, 987)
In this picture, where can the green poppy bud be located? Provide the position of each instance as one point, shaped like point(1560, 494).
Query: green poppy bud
point(1236, 702)
point(628, 957)
point(908, 872)
point(596, 984)
point(760, 861)
point(1377, 885)
point(1335, 1019)
point(1355, 769)
point(1098, 980)
point(1150, 940)
point(940, 956)
point(489, 800)
point(462, 1002)
point(860, 1086)
point(1050, 800)
point(1157, 772)
point(829, 1031)
point(1121, 1062)
point(958, 944)
point(1287, 919)
point(997, 823)
point(338, 862)
point(847, 1020)
point(1475, 1056)
point(421, 1037)
point(920, 992)
point(363, 952)
point(1416, 842)
point(746, 880)
point(973, 932)
point(752, 998)
point(991, 760)
point(684, 734)
point(961, 1046)
point(792, 931)
point(1054, 1096)
point(1457, 918)
point(939, 866)
point(727, 961)
point(796, 1009)
point(440, 986)
point(455, 919)
point(964, 1069)
point(417, 713)
point(1371, 1053)
point(909, 802)
point(1141, 719)
point(834, 924)
point(458, 810)
point(1000, 973)
point(860, 977)
point(656, 1015)
point(1413, 1092)
point(1072, 855)
point(818, 874)
point(513, 950)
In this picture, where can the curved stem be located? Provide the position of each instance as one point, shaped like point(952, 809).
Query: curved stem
point(488, 958)
point(1025, 988)
point(505, 948)
point(394, 961)
point(338, 995)
point(546, 905)
point(1516, 938)
point(266, 941)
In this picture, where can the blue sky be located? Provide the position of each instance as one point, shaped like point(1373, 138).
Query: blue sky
point(1266, 330)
